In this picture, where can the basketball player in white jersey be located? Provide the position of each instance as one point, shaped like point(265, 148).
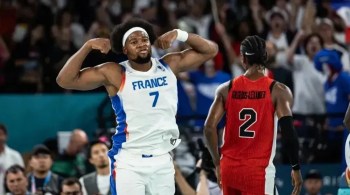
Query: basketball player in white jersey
point(143, 93)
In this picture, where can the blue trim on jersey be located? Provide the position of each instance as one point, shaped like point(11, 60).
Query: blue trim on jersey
point(164, 63)
point(118, 138)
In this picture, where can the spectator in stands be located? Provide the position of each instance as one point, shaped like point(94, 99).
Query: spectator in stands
point(58, 55)
point(337, 96)
point(97, 182)
point(206, 80)
point(8, 156)
point(71, 163)
point(307, 85)
point(41, 179)
point(205, 170)
point(277, 71)
point(102, 26)
point(325, 27)
point(308, 82)
point(15, 181)
point(29, 57)
point(313, 182)
point(279, 32)
point(65, 20)
point(71, 186)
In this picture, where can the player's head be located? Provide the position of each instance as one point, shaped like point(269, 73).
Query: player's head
point(134, 38)
point(253, 52)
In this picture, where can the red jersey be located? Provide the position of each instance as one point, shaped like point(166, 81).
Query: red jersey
point(249, 139)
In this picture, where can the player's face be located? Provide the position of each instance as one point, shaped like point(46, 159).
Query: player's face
point(16, 182)
point(41, 162)
point(99, 156)
point(138, 47)
point(243, 62)
point(313, 46)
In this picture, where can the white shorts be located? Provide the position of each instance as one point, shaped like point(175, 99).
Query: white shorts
point(144, 175)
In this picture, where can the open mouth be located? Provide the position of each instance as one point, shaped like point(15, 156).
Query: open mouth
point(144, 51)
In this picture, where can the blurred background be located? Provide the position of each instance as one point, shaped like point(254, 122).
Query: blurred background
point(308, 43)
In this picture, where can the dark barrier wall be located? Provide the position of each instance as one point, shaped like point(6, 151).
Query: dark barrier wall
point(30, 119)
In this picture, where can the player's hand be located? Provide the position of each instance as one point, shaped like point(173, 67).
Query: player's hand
point(297, 181)
point(165, 40)
point(218, 175)
point(101, 44)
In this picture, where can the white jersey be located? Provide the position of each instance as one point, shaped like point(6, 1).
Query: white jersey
point(145, 108)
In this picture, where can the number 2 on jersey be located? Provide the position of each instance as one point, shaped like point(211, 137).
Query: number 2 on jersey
point(248, 115)
point(156, 95)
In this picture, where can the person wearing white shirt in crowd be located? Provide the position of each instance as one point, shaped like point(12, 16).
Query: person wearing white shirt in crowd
point(97, 182)
point(8, 157)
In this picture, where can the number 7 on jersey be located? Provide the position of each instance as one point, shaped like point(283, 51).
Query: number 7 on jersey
point(156, 95)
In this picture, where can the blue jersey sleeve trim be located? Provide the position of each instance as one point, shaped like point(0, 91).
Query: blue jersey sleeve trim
point(163, 63)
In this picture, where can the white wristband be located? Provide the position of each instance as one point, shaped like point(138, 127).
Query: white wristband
point(181, 35)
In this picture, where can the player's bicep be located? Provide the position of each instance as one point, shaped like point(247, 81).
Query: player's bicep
point(186, 60)
point(283, 100)
point(190, 59)
point(89, 78)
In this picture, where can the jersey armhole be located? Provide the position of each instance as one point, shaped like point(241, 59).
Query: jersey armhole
point(228, 92)
point(163, 63)
point(271, 86)
point(230, 85)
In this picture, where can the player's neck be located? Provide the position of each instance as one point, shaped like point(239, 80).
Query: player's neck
point(102, 171)
point(254, 73)
point(141, 67)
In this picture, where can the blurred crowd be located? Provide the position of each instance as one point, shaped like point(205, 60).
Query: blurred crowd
point(308, 44)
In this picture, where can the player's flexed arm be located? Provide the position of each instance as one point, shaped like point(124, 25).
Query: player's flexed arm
point(216, 112)
point(201, 50)
point(283, 100)
point(72, 77)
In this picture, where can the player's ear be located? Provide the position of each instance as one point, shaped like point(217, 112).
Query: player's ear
point(243, 59)
point(125, 51)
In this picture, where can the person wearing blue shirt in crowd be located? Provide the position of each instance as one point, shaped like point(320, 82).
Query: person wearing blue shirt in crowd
point(337, 96)
point(205, 80)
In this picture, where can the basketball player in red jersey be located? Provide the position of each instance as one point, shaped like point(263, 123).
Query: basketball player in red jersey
point(252, 103)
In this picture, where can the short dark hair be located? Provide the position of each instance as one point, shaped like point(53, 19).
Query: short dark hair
point(13, 169)
point(308, 38)
point(313, 174)
point(92, 144)
point(3, 128)
point(69, 182)
point(253, 48)
point(119, 31)
point(40, 149)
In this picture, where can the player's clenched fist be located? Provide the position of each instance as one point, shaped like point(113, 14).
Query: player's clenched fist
point(165, 40)
point(101, 44)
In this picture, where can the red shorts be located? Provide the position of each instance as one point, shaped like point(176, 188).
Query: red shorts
point(246, 179)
